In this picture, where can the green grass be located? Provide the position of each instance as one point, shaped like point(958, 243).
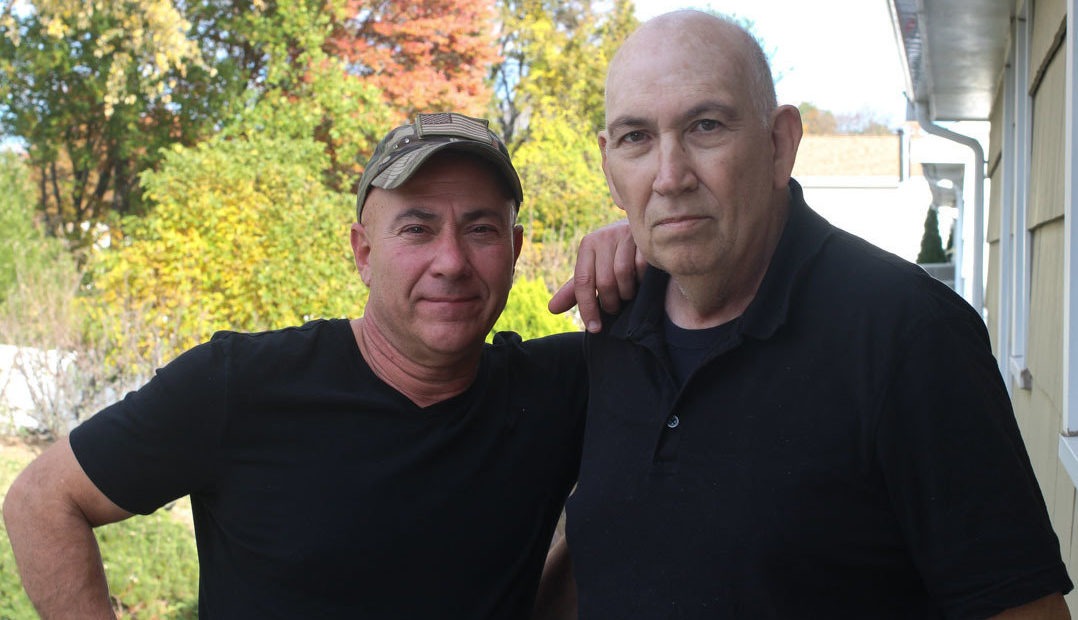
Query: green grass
point(151, 562)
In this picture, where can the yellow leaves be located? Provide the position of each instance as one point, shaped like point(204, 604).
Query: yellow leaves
point(149, 39)
point(243, 236)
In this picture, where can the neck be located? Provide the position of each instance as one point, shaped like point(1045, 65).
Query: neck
point(424, 382)
point(699, 302)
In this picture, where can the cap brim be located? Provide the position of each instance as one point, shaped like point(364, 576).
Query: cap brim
point(402, 169)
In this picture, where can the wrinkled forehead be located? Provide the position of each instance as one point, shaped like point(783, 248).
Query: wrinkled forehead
point(671, 50)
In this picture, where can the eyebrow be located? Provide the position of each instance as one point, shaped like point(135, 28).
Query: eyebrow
point(415, 214)
point(478, 214)
point(423, 215)
point(627, 121)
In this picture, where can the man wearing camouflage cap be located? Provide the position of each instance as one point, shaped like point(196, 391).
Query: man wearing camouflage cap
point(390, 466)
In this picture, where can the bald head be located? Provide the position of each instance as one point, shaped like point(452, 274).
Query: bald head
point(714, 43)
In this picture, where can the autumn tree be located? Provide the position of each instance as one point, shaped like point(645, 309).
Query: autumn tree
point(864, 122)
point(428, 55)
point(817, 121)
point(304, 92)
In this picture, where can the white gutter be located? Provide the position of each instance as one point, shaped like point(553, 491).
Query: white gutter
point(976, 298)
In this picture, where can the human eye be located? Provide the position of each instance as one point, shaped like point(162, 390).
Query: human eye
point(484, 229)
point(413, 230)
point(633, 137)
point(708, 125)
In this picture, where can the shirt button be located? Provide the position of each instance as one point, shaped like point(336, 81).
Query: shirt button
point(672, 421)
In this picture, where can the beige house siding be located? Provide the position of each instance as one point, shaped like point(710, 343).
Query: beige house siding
point(1049, 20)
point(994, 173)
point(1046, 164)
point(1039, 410)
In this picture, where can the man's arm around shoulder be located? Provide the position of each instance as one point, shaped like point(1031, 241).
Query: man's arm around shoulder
point(50, 512)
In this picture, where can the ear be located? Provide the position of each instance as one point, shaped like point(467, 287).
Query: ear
point(606, 171)
point(786, 130)
point(518, 242)
point(361, 251)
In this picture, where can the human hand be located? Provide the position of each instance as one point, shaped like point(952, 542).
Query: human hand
point(608, 268)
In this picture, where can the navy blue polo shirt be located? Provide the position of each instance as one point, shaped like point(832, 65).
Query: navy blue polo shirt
point(846, 449)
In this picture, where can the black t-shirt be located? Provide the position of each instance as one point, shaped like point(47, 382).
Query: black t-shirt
point(320, 492)
point(688, 348)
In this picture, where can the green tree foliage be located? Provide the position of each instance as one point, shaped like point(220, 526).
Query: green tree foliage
point(931, 242)
point(526, 312)
point(94, 88)
point(244, 236)
point(565, 193)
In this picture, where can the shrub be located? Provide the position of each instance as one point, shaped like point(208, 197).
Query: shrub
point(931, 242)
point(526, 312)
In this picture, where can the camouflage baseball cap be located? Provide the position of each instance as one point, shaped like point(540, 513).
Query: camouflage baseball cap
point(406, 148)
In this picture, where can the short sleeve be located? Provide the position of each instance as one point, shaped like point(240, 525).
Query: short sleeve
point(959, 477)
point(160, 442)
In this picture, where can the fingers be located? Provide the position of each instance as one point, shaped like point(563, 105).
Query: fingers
point(608, 269)
point(627, 269)
point(598, 275)
point(584, 283)
point(580, 291)
point(563, 299)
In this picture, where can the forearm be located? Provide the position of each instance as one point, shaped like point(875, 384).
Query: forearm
point(1052, 607)
point(556, 599)
point(50, 511)
point(59, 563)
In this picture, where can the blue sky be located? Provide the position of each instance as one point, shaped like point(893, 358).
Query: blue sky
point(839, 55)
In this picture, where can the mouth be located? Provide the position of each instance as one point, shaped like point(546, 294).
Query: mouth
point(450, 303)
point(680, 221)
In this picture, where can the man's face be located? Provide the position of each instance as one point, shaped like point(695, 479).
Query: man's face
point(438, 255)
point(687, 154)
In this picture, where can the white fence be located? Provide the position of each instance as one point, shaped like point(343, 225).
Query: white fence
point(33, 388)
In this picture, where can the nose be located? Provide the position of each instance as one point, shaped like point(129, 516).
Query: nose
point(451, 257)
point(675, 174)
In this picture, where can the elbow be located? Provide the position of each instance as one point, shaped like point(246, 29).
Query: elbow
point(17, 502)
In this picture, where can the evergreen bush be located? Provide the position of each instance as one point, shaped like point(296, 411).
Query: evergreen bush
point(931, 242)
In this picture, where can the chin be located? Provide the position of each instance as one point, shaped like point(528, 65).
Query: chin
point(454, 340)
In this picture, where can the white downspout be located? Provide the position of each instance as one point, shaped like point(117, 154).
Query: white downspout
point(977, 293)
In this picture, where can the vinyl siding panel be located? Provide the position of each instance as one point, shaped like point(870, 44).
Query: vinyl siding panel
point(1046, 165)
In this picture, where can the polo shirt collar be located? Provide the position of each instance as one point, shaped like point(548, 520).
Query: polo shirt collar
point(803, 236)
